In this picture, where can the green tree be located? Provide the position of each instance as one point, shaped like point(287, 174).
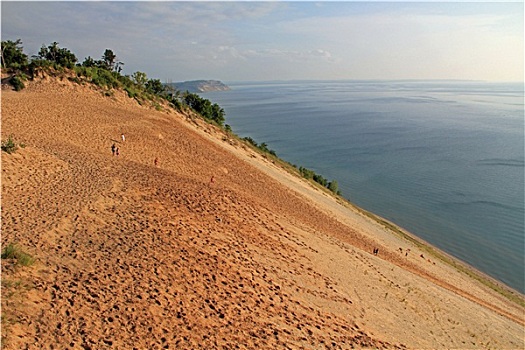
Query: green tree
point(250, 141)
point(13, 55)
point(140, 78)
point(89, 62)
point(320, 180)
point(108, 60)
point(155, 86)
point(60, 56)
point(333, 186)
point(205, 108)
point(263, 147)
point(118, 66)
point(217, 114)
point(306, 173)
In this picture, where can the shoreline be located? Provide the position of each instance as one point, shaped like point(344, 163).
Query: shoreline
point(458, 264)
point(478, 221)
point(507, 292)
point(447, 258)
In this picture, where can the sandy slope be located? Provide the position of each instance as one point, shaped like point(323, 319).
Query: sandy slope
point(130, 255)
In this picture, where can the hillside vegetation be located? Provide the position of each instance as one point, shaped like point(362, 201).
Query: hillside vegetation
point(106, 74)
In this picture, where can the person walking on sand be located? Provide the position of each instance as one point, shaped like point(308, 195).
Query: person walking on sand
point(117, 152)
point(123, 137)
point(156, 161)
point(113, 149)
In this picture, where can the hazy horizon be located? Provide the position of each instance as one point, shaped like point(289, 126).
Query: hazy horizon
point(266, 41)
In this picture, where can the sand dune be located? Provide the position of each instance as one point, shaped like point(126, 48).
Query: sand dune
point(215, 247)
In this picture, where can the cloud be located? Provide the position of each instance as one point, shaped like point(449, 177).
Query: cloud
point(253, 40)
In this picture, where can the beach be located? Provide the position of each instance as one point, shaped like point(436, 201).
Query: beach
point(213, 245)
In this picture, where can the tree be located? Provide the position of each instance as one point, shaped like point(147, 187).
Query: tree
point(89, 62)
point(13, 55)
point(217, 114)
point(205, 108)
point(333, 186)
point(140, 78)
point(250, 141)
point(60, 56)
point(108, 60)
point(320, 180)
point(307, 173)
point(155, 86)
point(118, 66)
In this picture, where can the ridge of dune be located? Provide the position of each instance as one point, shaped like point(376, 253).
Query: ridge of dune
point(213, 247)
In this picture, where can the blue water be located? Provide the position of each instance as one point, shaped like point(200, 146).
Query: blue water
point(444, 160)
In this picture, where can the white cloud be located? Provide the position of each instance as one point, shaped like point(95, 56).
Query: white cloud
point(253, 40)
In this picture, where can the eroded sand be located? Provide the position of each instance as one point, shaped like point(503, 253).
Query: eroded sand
point(130, 255)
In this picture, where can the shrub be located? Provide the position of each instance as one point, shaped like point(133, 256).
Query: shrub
point(131, 92)
point(212, 112)
point(320, 180)
point(306, 173)
point(104, 78)
point(250, 141)
point(17, 82)
point(12, 251)
point(9, 145)
point(333, 186)
point(83, 71)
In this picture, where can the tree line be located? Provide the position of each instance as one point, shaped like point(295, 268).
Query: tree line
point(106, 73)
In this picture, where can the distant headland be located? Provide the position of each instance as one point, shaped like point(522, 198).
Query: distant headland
point(200, 86)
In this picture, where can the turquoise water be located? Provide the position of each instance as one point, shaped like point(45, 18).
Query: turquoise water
point(444, 160)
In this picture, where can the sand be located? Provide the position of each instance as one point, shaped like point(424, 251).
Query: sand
point(216, 246)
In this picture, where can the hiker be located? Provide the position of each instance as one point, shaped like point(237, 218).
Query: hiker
point(156, 161)
point(117, 152)
point(113, 149)
point(123, 137)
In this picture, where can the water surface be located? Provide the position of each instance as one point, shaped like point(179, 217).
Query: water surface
point(444, 160)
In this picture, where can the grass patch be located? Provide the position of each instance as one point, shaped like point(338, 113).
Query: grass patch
point(9, 145)
point(12, 251)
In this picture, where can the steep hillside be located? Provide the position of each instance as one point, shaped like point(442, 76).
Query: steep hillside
point(187, 239)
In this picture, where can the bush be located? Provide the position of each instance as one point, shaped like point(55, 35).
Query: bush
point(211, 112)
point(250, 141)
point(320, 180)
point(83, 71)
point(104, 78)
point(17, 82)
point(131, 92)
point(9, 145)
point(333, 186)
point(12, 251)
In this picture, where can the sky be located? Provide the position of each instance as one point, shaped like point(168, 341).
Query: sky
point(249, 41)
